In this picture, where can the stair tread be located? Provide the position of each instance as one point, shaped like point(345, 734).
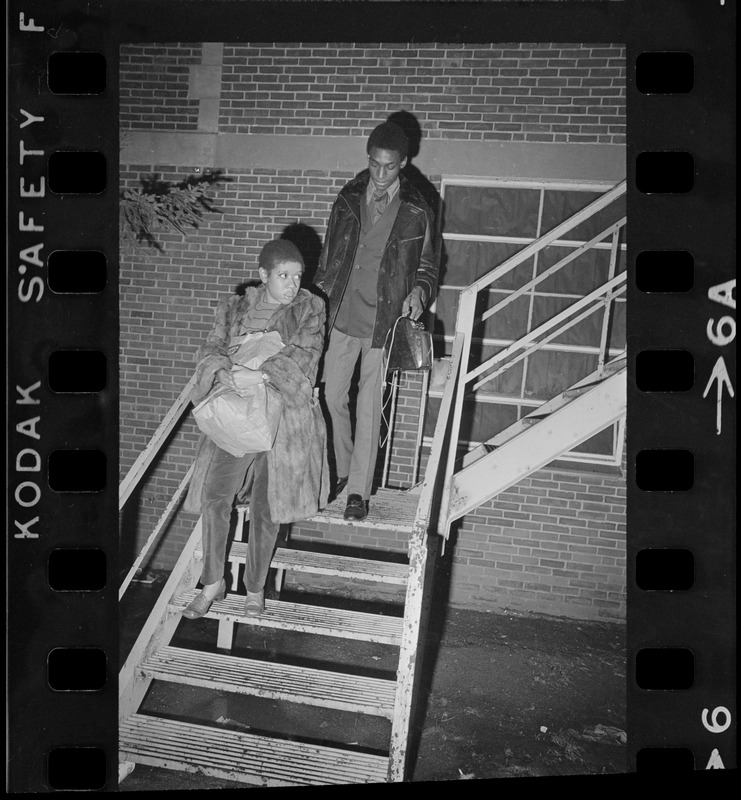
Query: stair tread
point(305, 618)
point(598, 406)
point(244, 757)
point(389, 509)
point(330, 564)
point(274, 680)
point(553, 406)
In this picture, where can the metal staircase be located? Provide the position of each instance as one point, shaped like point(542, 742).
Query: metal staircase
point(260, 759)
point(452, 486)
point(275, 761)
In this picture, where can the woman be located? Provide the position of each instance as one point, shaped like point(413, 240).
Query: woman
point(289, 482)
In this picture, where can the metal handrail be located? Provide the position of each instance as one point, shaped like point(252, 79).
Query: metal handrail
point(142, 463)
point(601, 202)
point(531, 341)
point(158, 528)
point(139, 469)
point(610, 288)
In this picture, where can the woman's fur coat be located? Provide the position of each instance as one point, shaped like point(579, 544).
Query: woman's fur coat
point(298, 475)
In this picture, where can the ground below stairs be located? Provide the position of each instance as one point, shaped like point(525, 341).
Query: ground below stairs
point(503, 695)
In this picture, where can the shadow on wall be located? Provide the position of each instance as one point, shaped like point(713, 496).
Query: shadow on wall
point(310, 246)
point(408, 123)
point(411, 127)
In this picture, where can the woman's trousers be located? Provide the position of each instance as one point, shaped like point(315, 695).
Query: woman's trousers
point(226, 475)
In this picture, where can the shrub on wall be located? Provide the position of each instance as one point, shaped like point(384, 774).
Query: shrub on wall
point(157, 206)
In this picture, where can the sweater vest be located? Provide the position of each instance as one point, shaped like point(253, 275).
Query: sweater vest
point(356, 315)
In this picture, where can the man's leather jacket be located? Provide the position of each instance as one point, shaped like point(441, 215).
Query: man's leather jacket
point(408, 260)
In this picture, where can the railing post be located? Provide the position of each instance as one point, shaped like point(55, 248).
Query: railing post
point(463, 327)
point(602, 356)
point(420, 425)
point(390, 425)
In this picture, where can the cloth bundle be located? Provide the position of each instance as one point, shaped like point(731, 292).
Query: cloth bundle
point(244, 421)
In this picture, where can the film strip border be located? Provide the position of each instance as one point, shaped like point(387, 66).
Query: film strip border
point(62, 564)
point(681, 414)
point(62, 323)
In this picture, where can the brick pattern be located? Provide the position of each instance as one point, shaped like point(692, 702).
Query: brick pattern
point(555, 542)
point(555, 539)
point(154, 87)
point(512, 92)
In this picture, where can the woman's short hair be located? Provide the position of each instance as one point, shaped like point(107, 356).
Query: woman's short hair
point(389, 136)
point(277, 252)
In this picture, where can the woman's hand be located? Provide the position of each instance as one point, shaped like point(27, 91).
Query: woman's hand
point(224, 377)
point(244, 378)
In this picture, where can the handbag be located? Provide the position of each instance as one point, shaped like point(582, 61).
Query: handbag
point(411, 346)
point(240, 423)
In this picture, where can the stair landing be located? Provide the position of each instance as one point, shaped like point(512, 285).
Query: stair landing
point(390, 509)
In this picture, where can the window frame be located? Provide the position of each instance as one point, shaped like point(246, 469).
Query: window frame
point(614, 458)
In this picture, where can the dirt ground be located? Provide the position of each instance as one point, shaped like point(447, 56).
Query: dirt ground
point(502, 695)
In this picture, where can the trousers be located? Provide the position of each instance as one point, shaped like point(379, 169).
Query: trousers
point(354, 458)
point(224, 479)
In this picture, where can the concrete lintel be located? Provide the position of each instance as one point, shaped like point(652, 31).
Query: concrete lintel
point(178, 149)
point(347, 154)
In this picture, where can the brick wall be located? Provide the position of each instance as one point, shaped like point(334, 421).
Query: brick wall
point(553, 543)
point(517, 92)
point(154, 87)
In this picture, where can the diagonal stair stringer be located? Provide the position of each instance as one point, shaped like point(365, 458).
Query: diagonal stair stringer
point(585, 415)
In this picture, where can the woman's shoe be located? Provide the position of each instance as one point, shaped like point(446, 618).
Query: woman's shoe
point(200, 605)
point(254, 604)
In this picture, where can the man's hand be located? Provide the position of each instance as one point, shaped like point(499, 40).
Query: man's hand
point(413, 305)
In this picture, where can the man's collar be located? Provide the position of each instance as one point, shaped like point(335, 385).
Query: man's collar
point(392, 190)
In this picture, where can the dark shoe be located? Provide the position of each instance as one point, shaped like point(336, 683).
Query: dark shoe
point(338, 487)
point(356, 508)
point(200, 605)
point(254, 603)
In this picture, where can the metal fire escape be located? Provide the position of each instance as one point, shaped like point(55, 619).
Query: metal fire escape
point(452, 487)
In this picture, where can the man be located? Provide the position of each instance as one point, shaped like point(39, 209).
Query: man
point(377, 264)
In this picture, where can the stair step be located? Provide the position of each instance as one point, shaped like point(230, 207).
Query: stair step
point(304, 618)
point(244, 757)
point(273, 680)
point(389, 509)
point(328, 564)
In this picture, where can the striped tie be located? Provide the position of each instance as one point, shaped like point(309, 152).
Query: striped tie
point(380, 200)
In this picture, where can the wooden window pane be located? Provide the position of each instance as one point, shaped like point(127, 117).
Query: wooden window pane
point(491, 210)
point(559, 205)
point(550, 372)
point(465, 262)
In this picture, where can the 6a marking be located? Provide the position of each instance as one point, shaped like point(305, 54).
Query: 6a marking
point(721, 333)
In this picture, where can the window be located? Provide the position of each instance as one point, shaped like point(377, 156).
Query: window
point(484, 223)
